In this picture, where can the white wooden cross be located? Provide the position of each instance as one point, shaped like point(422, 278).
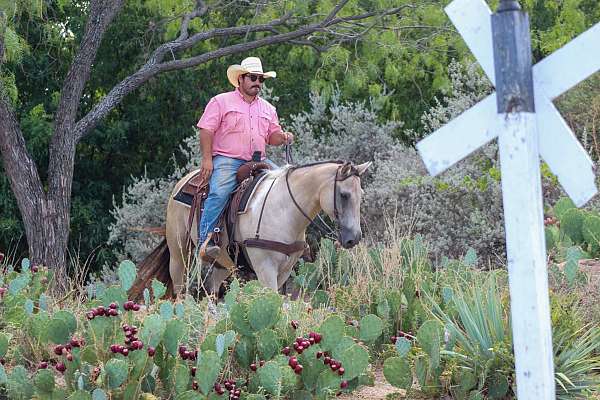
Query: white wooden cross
point(520, 147)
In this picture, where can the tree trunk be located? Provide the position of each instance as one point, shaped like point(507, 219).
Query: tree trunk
point(46, 220)
point(47, 232)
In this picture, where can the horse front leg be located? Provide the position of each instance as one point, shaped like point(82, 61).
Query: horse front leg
point(215, 279)
point(267, 265)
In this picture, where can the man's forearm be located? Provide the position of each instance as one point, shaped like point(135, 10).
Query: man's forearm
point(206, 143)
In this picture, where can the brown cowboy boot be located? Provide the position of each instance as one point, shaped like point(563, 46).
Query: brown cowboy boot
point(209, 249)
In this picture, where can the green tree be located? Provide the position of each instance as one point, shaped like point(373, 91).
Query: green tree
point(190, 34)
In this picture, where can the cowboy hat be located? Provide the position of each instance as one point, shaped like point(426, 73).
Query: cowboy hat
point(250, 65)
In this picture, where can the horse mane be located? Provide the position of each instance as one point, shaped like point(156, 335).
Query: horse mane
point(275, 173)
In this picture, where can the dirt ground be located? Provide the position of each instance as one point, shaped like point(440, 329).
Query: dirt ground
point(377, 392)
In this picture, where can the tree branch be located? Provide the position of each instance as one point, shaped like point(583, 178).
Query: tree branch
point(101, 14)
point(155, 66)
point(334, 12)
point(200, 10)
point(176, 45)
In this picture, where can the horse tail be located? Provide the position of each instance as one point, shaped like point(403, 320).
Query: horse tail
point(154, 266)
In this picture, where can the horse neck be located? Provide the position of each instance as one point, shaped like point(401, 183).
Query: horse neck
point(305, 186)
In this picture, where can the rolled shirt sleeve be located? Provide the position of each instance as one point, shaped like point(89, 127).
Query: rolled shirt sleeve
point(211, 118)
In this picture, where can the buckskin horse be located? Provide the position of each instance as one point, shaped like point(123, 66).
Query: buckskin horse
point(271, 232)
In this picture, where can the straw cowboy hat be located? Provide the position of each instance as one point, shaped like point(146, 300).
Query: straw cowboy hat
point(250, 65)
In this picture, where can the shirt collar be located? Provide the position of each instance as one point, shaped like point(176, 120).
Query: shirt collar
point(237, 90)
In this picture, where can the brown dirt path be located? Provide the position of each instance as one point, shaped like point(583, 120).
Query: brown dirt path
point(378, 392)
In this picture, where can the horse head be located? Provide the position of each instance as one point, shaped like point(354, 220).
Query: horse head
point(341, 201)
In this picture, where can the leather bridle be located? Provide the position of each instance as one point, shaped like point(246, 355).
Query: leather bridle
point(338, 178)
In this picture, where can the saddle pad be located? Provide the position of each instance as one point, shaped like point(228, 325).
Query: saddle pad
point(185, 194)
point(249, 192)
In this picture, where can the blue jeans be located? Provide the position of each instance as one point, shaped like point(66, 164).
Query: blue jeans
point(222, 184)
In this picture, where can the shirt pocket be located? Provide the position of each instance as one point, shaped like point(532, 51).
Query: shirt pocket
point(233, 122)
point(264, 121)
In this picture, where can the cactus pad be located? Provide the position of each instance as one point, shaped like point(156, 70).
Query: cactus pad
point(398, 373)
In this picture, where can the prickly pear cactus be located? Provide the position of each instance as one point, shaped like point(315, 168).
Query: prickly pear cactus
point(332, 330)
point(563, 205)
point(268, 344)
point(397, 372)
point(269, 377)
point(264, 311)
point(208, 367)
point(430, 337)
point(591, 232)
point(116, 373)
point(18, 385)
point(44, 381)
point(371, 327)
point(571, 224)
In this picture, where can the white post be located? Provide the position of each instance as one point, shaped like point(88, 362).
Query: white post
point(522, 199)
point(525, 247)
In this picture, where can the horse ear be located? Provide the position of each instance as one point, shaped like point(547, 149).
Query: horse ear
point(346, 169)
point(363, 167)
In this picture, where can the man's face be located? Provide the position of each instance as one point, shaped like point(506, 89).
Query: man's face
point(249, 87)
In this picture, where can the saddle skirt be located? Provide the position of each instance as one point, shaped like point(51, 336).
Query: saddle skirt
point(194, 192)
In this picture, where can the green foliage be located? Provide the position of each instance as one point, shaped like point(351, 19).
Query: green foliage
point(158, 290)
point(371, 328)
point(44, 381)
point(209, 367)
point(127, 273)
point(269, 377)
point(331, 329)
point(398, 372)
point(577, 227)
point(263, 312)
point(429, 336)
point(571, 224)
point(3, 344)
point(116, 373)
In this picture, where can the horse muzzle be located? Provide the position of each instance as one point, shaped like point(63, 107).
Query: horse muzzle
point(349, 238)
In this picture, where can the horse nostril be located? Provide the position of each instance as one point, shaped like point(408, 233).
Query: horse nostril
point(349, 243)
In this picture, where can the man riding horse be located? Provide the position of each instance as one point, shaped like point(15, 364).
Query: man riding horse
point(235, 126)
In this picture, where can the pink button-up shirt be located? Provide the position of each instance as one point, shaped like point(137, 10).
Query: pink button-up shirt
point(239, 128)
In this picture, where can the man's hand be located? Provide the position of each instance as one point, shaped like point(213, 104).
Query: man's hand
point(206, 168)
point(288, 137)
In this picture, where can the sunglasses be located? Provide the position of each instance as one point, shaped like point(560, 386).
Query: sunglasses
point(254, 77)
